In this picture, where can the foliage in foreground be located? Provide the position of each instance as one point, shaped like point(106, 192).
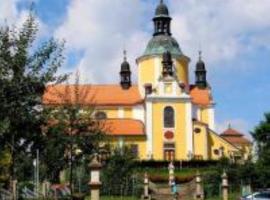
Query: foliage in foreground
point(118, 175)
point(24, 73)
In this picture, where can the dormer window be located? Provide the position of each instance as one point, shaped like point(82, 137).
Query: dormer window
point(100, 115)
point(148, 89)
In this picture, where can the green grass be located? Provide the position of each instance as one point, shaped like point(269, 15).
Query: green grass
point(178, 172)
point(234, 196)
point(118, 198)
point(113, 198)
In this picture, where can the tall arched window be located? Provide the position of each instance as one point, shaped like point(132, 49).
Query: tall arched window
point(168, 117)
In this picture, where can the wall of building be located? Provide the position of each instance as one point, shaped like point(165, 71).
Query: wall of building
point(215, 142)
point(200, 136)
point(118, 141)
point(179, 131)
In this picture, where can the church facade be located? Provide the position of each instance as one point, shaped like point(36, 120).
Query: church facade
point(163, 116)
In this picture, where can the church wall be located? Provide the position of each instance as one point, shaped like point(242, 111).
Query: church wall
point(118, 141)
point(182, 70)
point(215, 142)
point(123, 112)
point(179, 130)
point(200, 135)
point(147, 73)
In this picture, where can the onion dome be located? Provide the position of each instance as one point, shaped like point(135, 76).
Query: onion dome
point(162, 40)
point(125, 73)
point(162, 9)
point(200, 73)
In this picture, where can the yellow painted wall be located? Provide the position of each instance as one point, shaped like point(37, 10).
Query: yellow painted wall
point(146, 71)
point(182, 70)
point(200, 141)
point(128, 140)
point(204, 115)
point(112, 112)
point(215, 142)
point(179, 132)
point(128, 113)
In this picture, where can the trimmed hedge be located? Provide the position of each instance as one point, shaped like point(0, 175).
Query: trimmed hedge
point(177, 163)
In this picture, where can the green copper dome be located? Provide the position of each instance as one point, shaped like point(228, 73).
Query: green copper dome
point(162, 43)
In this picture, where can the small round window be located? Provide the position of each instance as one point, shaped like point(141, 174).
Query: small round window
point(100, 115)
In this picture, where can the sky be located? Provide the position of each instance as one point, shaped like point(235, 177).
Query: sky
point(234, 36)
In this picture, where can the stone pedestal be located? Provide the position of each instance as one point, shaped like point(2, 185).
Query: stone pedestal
point(225, 186)
point(95, 184)
point(14, 189)
point(171, 174)
point(146, 187)
point(199, 190)
point(45, 188)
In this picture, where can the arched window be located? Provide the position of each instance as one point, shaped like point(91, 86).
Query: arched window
point(168, 117)
point(100, 115)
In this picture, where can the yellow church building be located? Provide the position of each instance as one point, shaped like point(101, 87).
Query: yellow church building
point(163, 116)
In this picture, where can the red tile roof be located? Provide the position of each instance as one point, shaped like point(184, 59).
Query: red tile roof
point(99, 95)
point(124, 127)
point(235, 137)
point(200, 97)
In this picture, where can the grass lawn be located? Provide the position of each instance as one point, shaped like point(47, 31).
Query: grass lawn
point(233, 196)
point(113, 198)
point(118, 198)
point(178, 172)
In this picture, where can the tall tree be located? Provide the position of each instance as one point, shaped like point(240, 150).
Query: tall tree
point(24, 73)
point(261, 134)
point(72, 130)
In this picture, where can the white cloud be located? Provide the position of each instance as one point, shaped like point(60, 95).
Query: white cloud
point(102, 29)
point(224, 28)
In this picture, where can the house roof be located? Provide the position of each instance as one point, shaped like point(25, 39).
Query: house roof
point(234, 136)
point(124, 127)
point(108, 95)
point(99, 95)
point(200, 97)
point(231, 132)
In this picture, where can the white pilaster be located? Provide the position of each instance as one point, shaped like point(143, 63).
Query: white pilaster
point(138, 113)
point(189, 131)
point(211, 114)
point(149, 129)
point(121, 112)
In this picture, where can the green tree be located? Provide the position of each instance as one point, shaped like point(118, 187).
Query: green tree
point(24, 73)
point(71, 131)
point(261, 135)
point(118, 172)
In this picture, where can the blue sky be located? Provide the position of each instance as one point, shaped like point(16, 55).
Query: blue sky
point(234, 37)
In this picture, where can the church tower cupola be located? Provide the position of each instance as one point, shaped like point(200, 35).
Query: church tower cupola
point(167, 64)
point(162, 20)
point(125, 74)
point(200, 73)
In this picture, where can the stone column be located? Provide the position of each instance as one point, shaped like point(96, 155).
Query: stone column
point(199, 190)
point(171, 173)
point(225, 186)
point(146, 187)
point(14, 189)
point(45, 188)
point(95, 183)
